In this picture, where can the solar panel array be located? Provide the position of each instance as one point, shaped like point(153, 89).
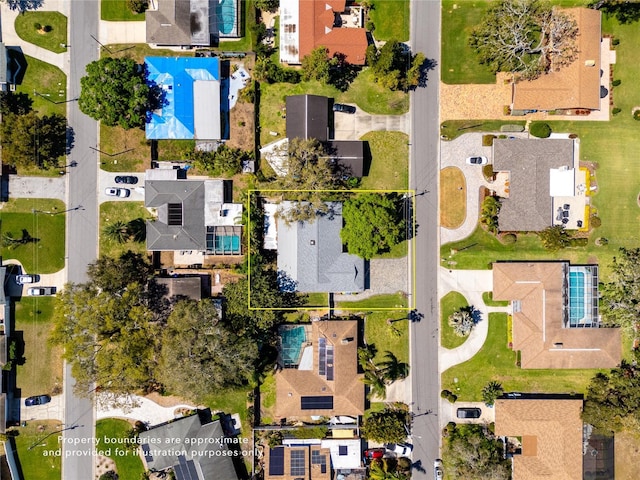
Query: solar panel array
point(322, 356)
point(319, 459)
point(175, 214)
point(317, 402)
point(276, 461)
point(329, 362)
point(185, 469)
point(298, 463)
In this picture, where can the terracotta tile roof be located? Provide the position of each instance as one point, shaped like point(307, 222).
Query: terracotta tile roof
point(347, 387)
point(316, 28)
point(538, 326)
point(551, 432)
point(574, 86)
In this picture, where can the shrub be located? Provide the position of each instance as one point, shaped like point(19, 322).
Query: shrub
point(601, 241)
point(616, 82)
point(506, 110)
point(616, 110)
point(540, 129)
point(487, 171)
point(47, 28)
point(137, 6)
point(450, 396)
point(369, 26)
point(37, 26)
point(579, 242)
point(487, 140)
point(636, 115)
point(615, 41)
point(509, 238)
point(595, 221)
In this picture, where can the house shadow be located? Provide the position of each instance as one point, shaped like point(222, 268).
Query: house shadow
point(16, 65)
point(366, 159)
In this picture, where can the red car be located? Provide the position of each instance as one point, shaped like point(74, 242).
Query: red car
point(373, 453)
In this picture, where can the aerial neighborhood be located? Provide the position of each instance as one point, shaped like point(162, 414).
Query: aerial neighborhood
point(319, 239)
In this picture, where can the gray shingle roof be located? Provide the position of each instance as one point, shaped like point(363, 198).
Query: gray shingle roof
point(308, 117)
point(529, 207)
point(170, 24)
point(310, 253)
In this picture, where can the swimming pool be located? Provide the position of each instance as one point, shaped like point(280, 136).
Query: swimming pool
point(226, 14)
point(227, 244)
point(576, 297)
point(292, 339)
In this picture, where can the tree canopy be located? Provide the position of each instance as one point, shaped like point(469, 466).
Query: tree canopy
point(317, 64)
point(198, 352)
point(387, 426)
point(373, 223)
point(620, 302)
point(23, 5)
point(115, 92)
point(30, 140)
point(394, 66)
point(529, 37)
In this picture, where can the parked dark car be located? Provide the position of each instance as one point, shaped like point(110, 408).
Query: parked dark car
point(128, 179)
point(37, 400)
point(469, 413)
point(341, 107)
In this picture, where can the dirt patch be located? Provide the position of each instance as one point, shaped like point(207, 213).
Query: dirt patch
point(242, 117)
point(104, 465)
point(627, 448)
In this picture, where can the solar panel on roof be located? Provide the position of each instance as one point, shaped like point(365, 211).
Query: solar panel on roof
point(276, 461)
point(322, 356)
point(317, 402)
point(297, 463)
point(185, 469)
point(147, 452)
point(329, 362)
point(175, 214)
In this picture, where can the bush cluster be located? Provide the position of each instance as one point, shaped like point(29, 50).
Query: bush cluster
point(448, 395)
point(540, 129)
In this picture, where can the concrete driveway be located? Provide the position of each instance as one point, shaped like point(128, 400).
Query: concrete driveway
point(448, 412)
point(353, 126)
point(54, 410)
point(107, 180)
point(36, 187)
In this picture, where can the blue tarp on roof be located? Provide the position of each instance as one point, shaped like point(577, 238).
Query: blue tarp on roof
point(177, 76)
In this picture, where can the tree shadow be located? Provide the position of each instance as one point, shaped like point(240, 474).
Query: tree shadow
point(624, 12)
point(343, 73)
point(16, 103)
point(428, 65)
point(24, 5)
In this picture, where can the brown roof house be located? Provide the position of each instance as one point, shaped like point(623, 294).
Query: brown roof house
point(308, 24)
point(555, 315)
point(319, 374)
point(551, 434)
point(540, 184)
point(575, 86)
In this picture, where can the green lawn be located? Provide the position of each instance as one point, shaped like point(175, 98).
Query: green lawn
point(399, 250)
point(118, 11)
point(111, 212)
point(52, 40)
point(376, 302)
point(41, 371)
point(391, 19)
point(34, 463)
point(451, 302)
point(373, 98)
point(49, 81)
point(128, 465)
point(230, 401)
point(45, 255)
point(495, 361)
point(487, 298)
point(317, 300)
point(394, 337)
point(389, 169)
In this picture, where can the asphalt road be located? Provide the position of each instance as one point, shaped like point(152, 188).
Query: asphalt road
point(424, 157)
point(82, 228)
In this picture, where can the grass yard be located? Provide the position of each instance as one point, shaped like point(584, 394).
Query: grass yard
point(45, 255)
point(452, 129)
point(317, 299)
point(49, 81)
point(451, 302)
point(52, 40)
point(399, 250)
point(128, 465)
point(389, 169)
point(111, 212)
point(33, 463)
point(453, 197)
point(42, 368)
point(118, 11)
point(230, 401)
point(376, 302)
point(495, 361)
point(394, 337)
point(373, 98)
point(267, 398)
point(487, 298)
point(391, 19)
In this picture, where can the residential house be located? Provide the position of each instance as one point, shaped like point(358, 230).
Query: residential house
point(319, 370)
point(311, 256)
point(575, 86)
point(308, 24)
point(550, 432)
point(193, 447)
point(308, 462)
point(191, 107)
point(556, 323)
point(191, 23)
point(540, 183)
point(308, 117)
point(194, 216)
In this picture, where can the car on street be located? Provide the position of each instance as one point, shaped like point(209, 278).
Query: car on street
point(117, 192)
point(37, 400)
point(41, 291)
point(438, 473)
point(341, 107)
point(477, 160)
point(128, 179)
point(400, 449)
point(24, 279)
point(373, 454)
point(469, 413)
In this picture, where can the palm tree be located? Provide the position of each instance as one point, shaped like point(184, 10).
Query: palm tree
point(117, 231)
point(137, 229)
point(393, 369)
point(385, 469)
point(366, 355)
point(376, 384)
point(491, 391)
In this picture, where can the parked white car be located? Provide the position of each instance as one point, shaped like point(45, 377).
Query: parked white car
point(400, 449)
point(117, 192)
point(477, 160)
